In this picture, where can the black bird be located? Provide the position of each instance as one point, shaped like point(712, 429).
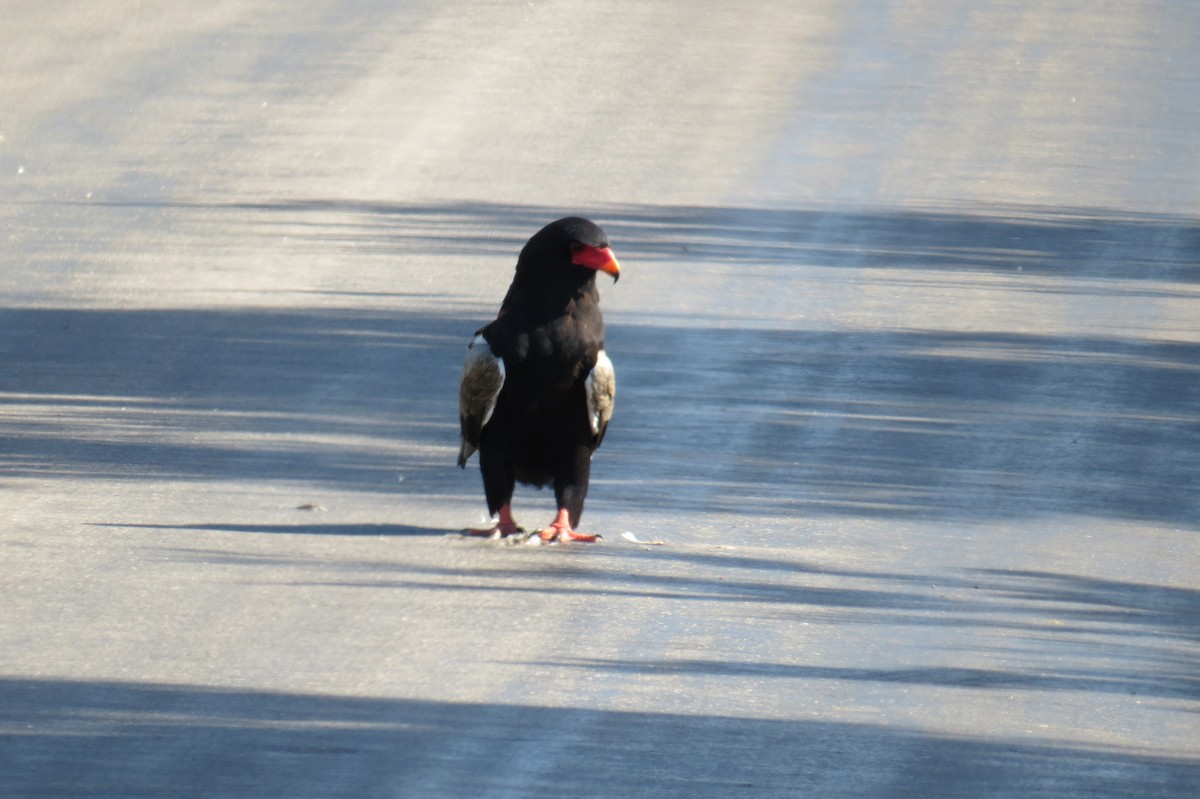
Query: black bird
point(537, 388)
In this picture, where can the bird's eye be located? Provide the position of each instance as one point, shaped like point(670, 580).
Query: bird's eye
point(577, 246)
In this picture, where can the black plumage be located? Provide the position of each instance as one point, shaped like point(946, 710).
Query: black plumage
point(537, 388)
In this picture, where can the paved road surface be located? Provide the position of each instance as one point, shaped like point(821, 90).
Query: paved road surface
point(909, 363)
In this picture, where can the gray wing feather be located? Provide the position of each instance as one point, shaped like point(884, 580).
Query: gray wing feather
point(482, 378)
point(601, 394)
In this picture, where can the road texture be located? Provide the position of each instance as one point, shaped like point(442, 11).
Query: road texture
point(908, 356)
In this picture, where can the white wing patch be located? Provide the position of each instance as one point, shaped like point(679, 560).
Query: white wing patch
point(601, 393)
point(482, 378)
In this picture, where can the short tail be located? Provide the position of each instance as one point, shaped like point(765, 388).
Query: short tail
point(465, 450)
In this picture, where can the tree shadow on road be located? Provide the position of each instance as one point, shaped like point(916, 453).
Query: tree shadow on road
point(866, 423)
point(857, 423)
point(1003, 240)
point(372, 530)
point(1124, 638)
point(910, 425)
point(341, 396)
point(111, 739)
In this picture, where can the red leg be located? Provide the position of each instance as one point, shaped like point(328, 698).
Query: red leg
point(505, 526)
point(560, 530)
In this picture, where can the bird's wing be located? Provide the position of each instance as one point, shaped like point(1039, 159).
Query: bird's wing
point(482, 378)
point(601, 393)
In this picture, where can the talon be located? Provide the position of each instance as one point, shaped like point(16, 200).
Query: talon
point(504, 527)
point(494, 532)
point(560, 530)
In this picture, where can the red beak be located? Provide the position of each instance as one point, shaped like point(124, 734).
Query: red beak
point(599, 258)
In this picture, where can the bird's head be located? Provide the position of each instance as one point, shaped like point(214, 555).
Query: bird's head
point(570, 248)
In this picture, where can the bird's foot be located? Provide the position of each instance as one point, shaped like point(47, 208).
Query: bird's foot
point(504, 527)
point(560, 530)
point(496, 531)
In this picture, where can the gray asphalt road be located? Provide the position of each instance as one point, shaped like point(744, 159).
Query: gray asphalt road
point(908, 356)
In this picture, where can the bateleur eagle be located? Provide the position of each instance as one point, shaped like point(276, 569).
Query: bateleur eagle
point(537, 388)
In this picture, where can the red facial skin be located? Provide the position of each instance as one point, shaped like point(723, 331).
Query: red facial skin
point(599, 258)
